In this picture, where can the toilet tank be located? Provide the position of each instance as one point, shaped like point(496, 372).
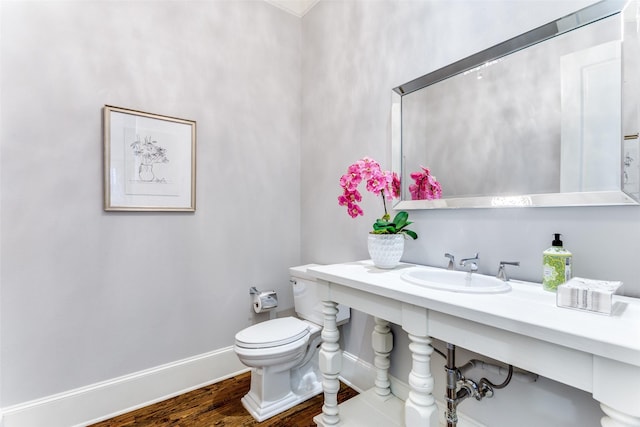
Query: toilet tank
point(308, 303)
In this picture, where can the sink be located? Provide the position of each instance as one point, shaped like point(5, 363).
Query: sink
point(455, 281)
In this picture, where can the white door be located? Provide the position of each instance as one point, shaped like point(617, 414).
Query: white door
point(591, 116)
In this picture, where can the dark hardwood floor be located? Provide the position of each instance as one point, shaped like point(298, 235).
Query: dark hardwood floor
point(219, 405)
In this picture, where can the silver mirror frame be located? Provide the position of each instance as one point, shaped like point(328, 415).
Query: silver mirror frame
point(593, 13)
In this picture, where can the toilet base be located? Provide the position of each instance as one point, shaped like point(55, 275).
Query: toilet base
point(261, 402)
point(264, 410)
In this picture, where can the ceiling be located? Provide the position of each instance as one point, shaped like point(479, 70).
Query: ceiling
point(295, 7)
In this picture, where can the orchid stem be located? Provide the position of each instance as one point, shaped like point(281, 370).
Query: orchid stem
point(384, 204)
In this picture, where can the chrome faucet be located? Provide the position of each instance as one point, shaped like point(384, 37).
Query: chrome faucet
point(473, 265)
point(502, 272)
point(452, 260)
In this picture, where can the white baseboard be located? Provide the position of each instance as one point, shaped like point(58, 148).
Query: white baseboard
point(97, 402)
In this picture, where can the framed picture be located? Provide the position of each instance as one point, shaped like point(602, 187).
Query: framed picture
point(149, 162)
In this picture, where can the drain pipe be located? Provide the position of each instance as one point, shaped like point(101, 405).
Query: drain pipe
point(459, 387)
point(451, 415)
point(522, 376)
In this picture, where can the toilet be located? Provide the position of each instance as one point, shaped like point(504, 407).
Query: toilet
point(283, 353)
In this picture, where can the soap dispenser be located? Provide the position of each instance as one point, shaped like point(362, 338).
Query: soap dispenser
point(556, 265)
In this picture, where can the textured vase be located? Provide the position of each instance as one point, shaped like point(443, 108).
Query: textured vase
point(386, 250)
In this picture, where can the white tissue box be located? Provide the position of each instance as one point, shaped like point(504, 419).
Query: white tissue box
point(588, 294)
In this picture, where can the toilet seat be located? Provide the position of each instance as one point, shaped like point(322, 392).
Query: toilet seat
point(273, 333)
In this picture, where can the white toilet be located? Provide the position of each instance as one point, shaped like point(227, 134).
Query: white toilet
point(283, 353)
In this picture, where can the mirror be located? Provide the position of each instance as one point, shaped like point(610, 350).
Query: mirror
point(548, 118)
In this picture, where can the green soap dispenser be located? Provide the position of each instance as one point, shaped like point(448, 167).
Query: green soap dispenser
point(556, 265)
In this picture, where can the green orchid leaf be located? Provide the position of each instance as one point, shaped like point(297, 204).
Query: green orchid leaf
point(380, 225)
point(401, 219)
point(397, 226)
point(405, 225)
point(411, 234)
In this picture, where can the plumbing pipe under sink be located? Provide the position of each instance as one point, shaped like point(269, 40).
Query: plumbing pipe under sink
point(459, 388)
point(525, 377)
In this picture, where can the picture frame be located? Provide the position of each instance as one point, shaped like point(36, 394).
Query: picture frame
point(149, 161)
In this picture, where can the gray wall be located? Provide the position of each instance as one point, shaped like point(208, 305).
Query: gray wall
point(89, 295)
point(354, 53)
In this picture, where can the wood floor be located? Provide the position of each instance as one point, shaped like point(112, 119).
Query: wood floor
point(219, 405)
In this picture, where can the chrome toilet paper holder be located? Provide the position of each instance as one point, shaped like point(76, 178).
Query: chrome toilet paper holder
point(263, 300)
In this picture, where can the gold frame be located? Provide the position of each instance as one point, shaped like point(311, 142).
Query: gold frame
point(130, 183)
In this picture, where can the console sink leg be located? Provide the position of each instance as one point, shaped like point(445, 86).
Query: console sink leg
point(420, 407)
point(330, 363)
point(382, 343)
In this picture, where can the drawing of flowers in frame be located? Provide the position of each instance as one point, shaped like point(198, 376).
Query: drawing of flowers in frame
point(149, 161)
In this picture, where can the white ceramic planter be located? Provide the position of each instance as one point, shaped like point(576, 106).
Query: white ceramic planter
point(386, 250)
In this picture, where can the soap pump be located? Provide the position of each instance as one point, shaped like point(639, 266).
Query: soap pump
point(556, 265)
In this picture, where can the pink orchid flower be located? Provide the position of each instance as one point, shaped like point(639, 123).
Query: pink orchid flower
point(426, 186)
point(379, 182)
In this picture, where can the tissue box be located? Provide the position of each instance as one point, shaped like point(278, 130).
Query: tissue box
point(587, 294)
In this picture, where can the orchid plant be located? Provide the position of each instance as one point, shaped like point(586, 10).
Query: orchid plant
point(426, 186)
point(382, 183)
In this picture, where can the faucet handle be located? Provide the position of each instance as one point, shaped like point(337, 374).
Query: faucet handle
point(471, 262)
point(451, 265)
point(502, 272)
point(476, 257)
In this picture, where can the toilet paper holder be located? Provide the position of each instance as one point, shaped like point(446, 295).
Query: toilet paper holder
point(263, 300)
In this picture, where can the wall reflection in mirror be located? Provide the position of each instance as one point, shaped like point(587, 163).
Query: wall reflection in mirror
point(529, 122)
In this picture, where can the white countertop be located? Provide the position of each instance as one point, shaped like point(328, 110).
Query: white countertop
point(527, 309)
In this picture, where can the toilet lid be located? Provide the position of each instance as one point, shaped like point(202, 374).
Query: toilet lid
point(272, 333)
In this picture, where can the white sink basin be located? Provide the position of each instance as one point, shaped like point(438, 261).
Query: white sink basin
point(456, 281)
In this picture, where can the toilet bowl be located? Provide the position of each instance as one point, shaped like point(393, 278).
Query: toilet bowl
point(283, 352)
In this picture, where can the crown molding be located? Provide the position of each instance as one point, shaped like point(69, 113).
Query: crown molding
point(296, 7)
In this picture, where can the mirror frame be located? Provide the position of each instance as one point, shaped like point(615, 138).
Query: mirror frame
point(582, 17)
